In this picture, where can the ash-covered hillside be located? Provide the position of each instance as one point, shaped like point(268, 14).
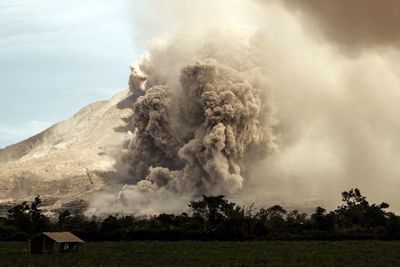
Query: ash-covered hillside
point(68, 160)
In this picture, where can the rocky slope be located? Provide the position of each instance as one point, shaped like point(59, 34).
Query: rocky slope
point(70, 159)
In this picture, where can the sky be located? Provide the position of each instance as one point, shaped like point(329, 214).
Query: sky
point(58, 56)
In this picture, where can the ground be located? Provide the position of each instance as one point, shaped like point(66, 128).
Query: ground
point(191, 253)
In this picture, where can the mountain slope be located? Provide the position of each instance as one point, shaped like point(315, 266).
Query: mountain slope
point(70, 158)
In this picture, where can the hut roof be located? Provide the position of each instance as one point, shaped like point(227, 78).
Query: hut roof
point(62, 237)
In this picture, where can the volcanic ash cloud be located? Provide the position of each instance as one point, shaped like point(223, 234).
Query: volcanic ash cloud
point(194, 138)
point(220, 75)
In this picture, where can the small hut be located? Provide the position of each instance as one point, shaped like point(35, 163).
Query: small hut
point(52, 242)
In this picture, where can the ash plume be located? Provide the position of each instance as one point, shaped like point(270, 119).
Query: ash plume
point(355, 25)
point(238, 97)
point(194, 138)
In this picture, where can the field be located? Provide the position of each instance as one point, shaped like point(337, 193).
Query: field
point(191, 253)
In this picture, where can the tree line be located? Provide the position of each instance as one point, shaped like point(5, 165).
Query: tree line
point(215, 218)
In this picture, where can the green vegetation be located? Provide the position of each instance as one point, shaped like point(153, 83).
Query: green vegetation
point(215, 218)
point(212, 253)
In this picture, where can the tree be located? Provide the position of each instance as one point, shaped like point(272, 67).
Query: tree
point(213, 209)
point(296, 219)
point(38, 220)
point(272, 219)
point(20, 218)
point(322, 221)
point(63, 219)
point(353, 198)
point(220, 218)
point(356, 211)
point(28, 218)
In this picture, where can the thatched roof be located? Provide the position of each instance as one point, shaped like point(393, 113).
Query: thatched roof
point(62, 237)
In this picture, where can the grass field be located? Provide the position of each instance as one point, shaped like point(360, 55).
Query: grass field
point(190, 253)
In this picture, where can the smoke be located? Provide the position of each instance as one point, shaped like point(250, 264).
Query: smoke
point(197, 134)
point(239, 98)
point(193, 138)
point(353, 25)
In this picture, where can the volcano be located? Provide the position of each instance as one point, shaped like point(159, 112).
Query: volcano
point(70, 159)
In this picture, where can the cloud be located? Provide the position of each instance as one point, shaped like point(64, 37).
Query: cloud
point(353, 25)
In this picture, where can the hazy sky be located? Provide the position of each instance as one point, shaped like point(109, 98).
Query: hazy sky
point(58, 56)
